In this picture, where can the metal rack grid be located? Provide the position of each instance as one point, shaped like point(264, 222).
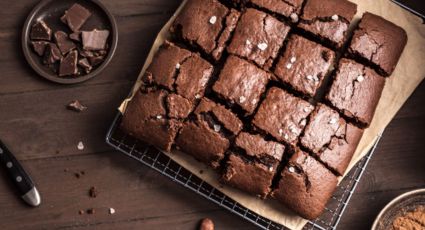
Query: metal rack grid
point(164, 165)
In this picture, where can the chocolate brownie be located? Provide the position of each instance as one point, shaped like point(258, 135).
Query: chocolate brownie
point(378, 42)
point(328, 20)
point(356, 91)
point(331, 138)
point(206, 137)
point(146, 118)
point(241, 83)
point(289, 8)
point(283, 116)
point(178, 106)
point(253, 169)
point(179, 70)
point(258, 37)
point(206, 24)
point(306, 186)
point(304, 71)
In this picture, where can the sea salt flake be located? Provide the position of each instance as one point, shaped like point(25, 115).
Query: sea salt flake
point(360, 78)
point(280, 131)
point(80, 146)
point(178, 66)
point(242, 99)
point(333, 121)
point(309, 77)
point(159, 117)
point(291, 169)
point(217, 128)
point(303, 122)
point(307, 109)
point(335, 17)
point(289, 66)
point(197, 96)
point(248, 42)
point(262, 46)
point(213, 20)
point(254, 101)
point(293, 59)
point(294, 17)
point(271, 169)
point(286, 136)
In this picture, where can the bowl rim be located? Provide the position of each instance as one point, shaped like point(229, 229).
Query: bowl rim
point(54, 78)
point(393, 202)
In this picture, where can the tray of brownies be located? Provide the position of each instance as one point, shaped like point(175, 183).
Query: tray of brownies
point(267, 105)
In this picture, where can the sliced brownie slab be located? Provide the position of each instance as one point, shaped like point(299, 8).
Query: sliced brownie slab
point(306, 186)
point(258, 37)
point(252, 165)
point(378, 42)
point(206, 24)
point(331, 139)
point(328, 20)
point(241, 83)
point(146, 118)
point(304, 71)
point(206, 136)
point(283, 115)
point(356, 91)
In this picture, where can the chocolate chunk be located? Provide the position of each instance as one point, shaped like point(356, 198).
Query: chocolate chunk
point(84, 63)
point(77, 107)
point(39, 47)
point(93, 192)
point(68, 64)
point(64, 43)
point(40, 31)
point(75, 17)
point(52, 54)
point(75, 36)
point(95, 39)
point(94, 61)
point(86, 53)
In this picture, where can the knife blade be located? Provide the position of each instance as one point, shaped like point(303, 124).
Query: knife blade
point(413, 6)
point(25, 185)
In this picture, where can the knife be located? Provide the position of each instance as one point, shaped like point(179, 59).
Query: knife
point(20, 178)
point(413, 6)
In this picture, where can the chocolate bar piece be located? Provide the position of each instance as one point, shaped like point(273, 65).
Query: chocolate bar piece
point(64, 43)
point(39, 47)
point(52, 54)
point(75, 17)
point(75, 36)
point(96, 60)
point(68, 64)
point(95, 39)
point(84, 63)
point(40, 31)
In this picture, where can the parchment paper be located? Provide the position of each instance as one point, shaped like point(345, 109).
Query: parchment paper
point(408, 75)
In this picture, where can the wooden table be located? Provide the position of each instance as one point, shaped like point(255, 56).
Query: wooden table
point(44, 136)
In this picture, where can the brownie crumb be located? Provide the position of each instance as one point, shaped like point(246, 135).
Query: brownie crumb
point(66, 170)
point(201, 171)
point(93, 192)
point(76, 106)
point(90, 211)
point(206, 224)
point(77, 175)
point(81, 212)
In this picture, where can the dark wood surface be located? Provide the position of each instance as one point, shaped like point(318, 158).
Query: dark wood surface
point(44, 136)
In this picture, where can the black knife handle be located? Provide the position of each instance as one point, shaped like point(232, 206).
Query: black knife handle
point(18, 175)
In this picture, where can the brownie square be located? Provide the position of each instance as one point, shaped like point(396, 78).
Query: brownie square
point(206, 24)
point(258, 37)
point(356, 91)
point(304, 71)
point(146, 119)
point(328, 20)
point(283, 116)
point(179, 70)
point(331, 139)
point(206, 137)
point(241, 83)
point(253, 169)
point(306, 186)
point(378, 42)
point(288, 8)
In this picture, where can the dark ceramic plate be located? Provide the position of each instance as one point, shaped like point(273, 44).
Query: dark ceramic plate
point(51, 11)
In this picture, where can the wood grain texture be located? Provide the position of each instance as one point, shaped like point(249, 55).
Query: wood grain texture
point(44, 135)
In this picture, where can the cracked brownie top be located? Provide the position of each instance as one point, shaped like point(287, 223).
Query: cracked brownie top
point(329, 20)
point(378, 42)
point(289, 8)
point(356, 91)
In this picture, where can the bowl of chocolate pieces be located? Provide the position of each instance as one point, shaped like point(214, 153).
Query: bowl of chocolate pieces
point(69, 41)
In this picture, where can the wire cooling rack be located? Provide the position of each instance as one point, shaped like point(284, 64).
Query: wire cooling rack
point(169, 168)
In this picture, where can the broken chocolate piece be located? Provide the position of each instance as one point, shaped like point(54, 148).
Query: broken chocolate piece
point(86, 53)
point(84, 63)
point(97, 60)
point(39, 47)
point(52, 54)
point(75, 17)
point(95, 39)
point(75, 36)
point(68, 64)
point(40, 31)
point(77, 107)
point(64, 43)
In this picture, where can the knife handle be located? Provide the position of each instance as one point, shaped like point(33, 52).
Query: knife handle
point(18, 175)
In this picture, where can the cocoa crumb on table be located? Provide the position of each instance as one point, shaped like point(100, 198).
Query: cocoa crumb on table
point(93, 192)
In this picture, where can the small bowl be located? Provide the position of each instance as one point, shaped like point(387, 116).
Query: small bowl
point(51, 11)
point(404, 203)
